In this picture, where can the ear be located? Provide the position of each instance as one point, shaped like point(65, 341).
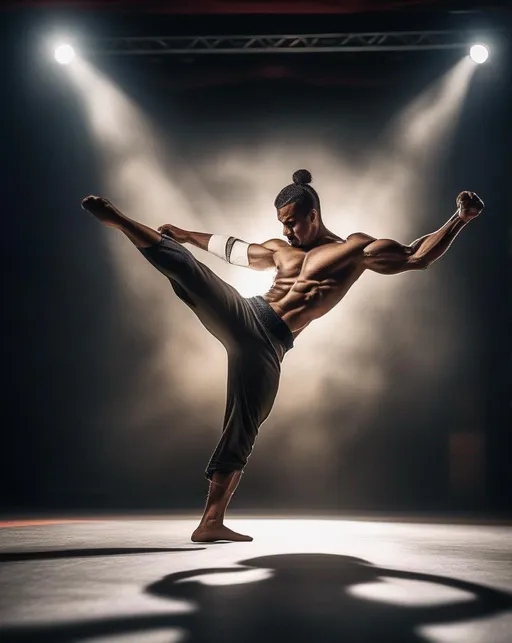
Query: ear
point(313, 215)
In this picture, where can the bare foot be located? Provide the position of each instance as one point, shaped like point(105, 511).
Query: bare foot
point(209, 534)
point(103, 210)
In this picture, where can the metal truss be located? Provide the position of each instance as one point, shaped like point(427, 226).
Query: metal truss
point(282, 44)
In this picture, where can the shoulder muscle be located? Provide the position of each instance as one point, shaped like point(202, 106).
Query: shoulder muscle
point(274, 244)
point(360, 238)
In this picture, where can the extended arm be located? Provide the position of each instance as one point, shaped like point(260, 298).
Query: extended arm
point(390, 257)
point(240, 253)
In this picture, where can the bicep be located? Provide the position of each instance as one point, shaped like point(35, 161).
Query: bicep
point(261, 255)
point(389, 257)
point(386, 256)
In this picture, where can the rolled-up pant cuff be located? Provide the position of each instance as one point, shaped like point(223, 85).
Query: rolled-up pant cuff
point(221, 468)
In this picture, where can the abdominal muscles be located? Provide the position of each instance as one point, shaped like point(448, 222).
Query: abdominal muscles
point(300, 300)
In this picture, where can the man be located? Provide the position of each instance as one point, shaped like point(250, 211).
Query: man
point(314, 270)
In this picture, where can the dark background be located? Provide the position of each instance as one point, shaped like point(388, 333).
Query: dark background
point(68, 349)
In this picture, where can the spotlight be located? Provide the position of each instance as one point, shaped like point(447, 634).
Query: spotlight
point(479, 53)
point(64, 54)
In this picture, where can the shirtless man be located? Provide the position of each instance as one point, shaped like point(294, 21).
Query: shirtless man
point(314, 270)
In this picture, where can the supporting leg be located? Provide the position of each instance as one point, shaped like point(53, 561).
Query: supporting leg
point(109, 215)
point(211, 527)
point(253, 381)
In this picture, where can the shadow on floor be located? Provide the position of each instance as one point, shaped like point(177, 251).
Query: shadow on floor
point(300, 597)
point(52, 554)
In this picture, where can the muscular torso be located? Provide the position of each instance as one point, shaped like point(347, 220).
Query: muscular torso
point(310, 283)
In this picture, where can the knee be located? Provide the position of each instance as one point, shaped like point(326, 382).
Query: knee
point(172, 257)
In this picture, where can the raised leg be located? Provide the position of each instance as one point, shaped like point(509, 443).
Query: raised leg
point(109, 215)
point(215, 302)
point(211, 527)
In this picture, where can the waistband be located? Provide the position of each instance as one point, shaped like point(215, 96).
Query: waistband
point(271, 320)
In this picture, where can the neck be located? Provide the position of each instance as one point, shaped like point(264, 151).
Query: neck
point(322, 237)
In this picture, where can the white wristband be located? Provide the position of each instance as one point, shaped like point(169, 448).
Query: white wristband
point(217, 245)
point(239, 254)
point(231, 249)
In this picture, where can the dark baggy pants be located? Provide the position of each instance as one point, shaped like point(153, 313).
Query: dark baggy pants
point(256, 340)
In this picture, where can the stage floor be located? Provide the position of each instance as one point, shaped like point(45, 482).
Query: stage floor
point(133, 579)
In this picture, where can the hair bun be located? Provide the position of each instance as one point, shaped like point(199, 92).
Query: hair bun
point(302, 177)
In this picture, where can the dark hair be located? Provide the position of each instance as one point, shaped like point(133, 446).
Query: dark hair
point(299, 192)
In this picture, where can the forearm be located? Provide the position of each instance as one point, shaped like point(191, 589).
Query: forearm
point(198, 239)
point(230, 249)
point(432, 246)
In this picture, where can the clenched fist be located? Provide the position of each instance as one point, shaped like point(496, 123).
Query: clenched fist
point(469, 205)
point(179, 235)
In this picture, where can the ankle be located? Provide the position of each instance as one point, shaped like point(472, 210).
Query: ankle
point(212, 520)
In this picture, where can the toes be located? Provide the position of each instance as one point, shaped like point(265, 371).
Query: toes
point(90, 201)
